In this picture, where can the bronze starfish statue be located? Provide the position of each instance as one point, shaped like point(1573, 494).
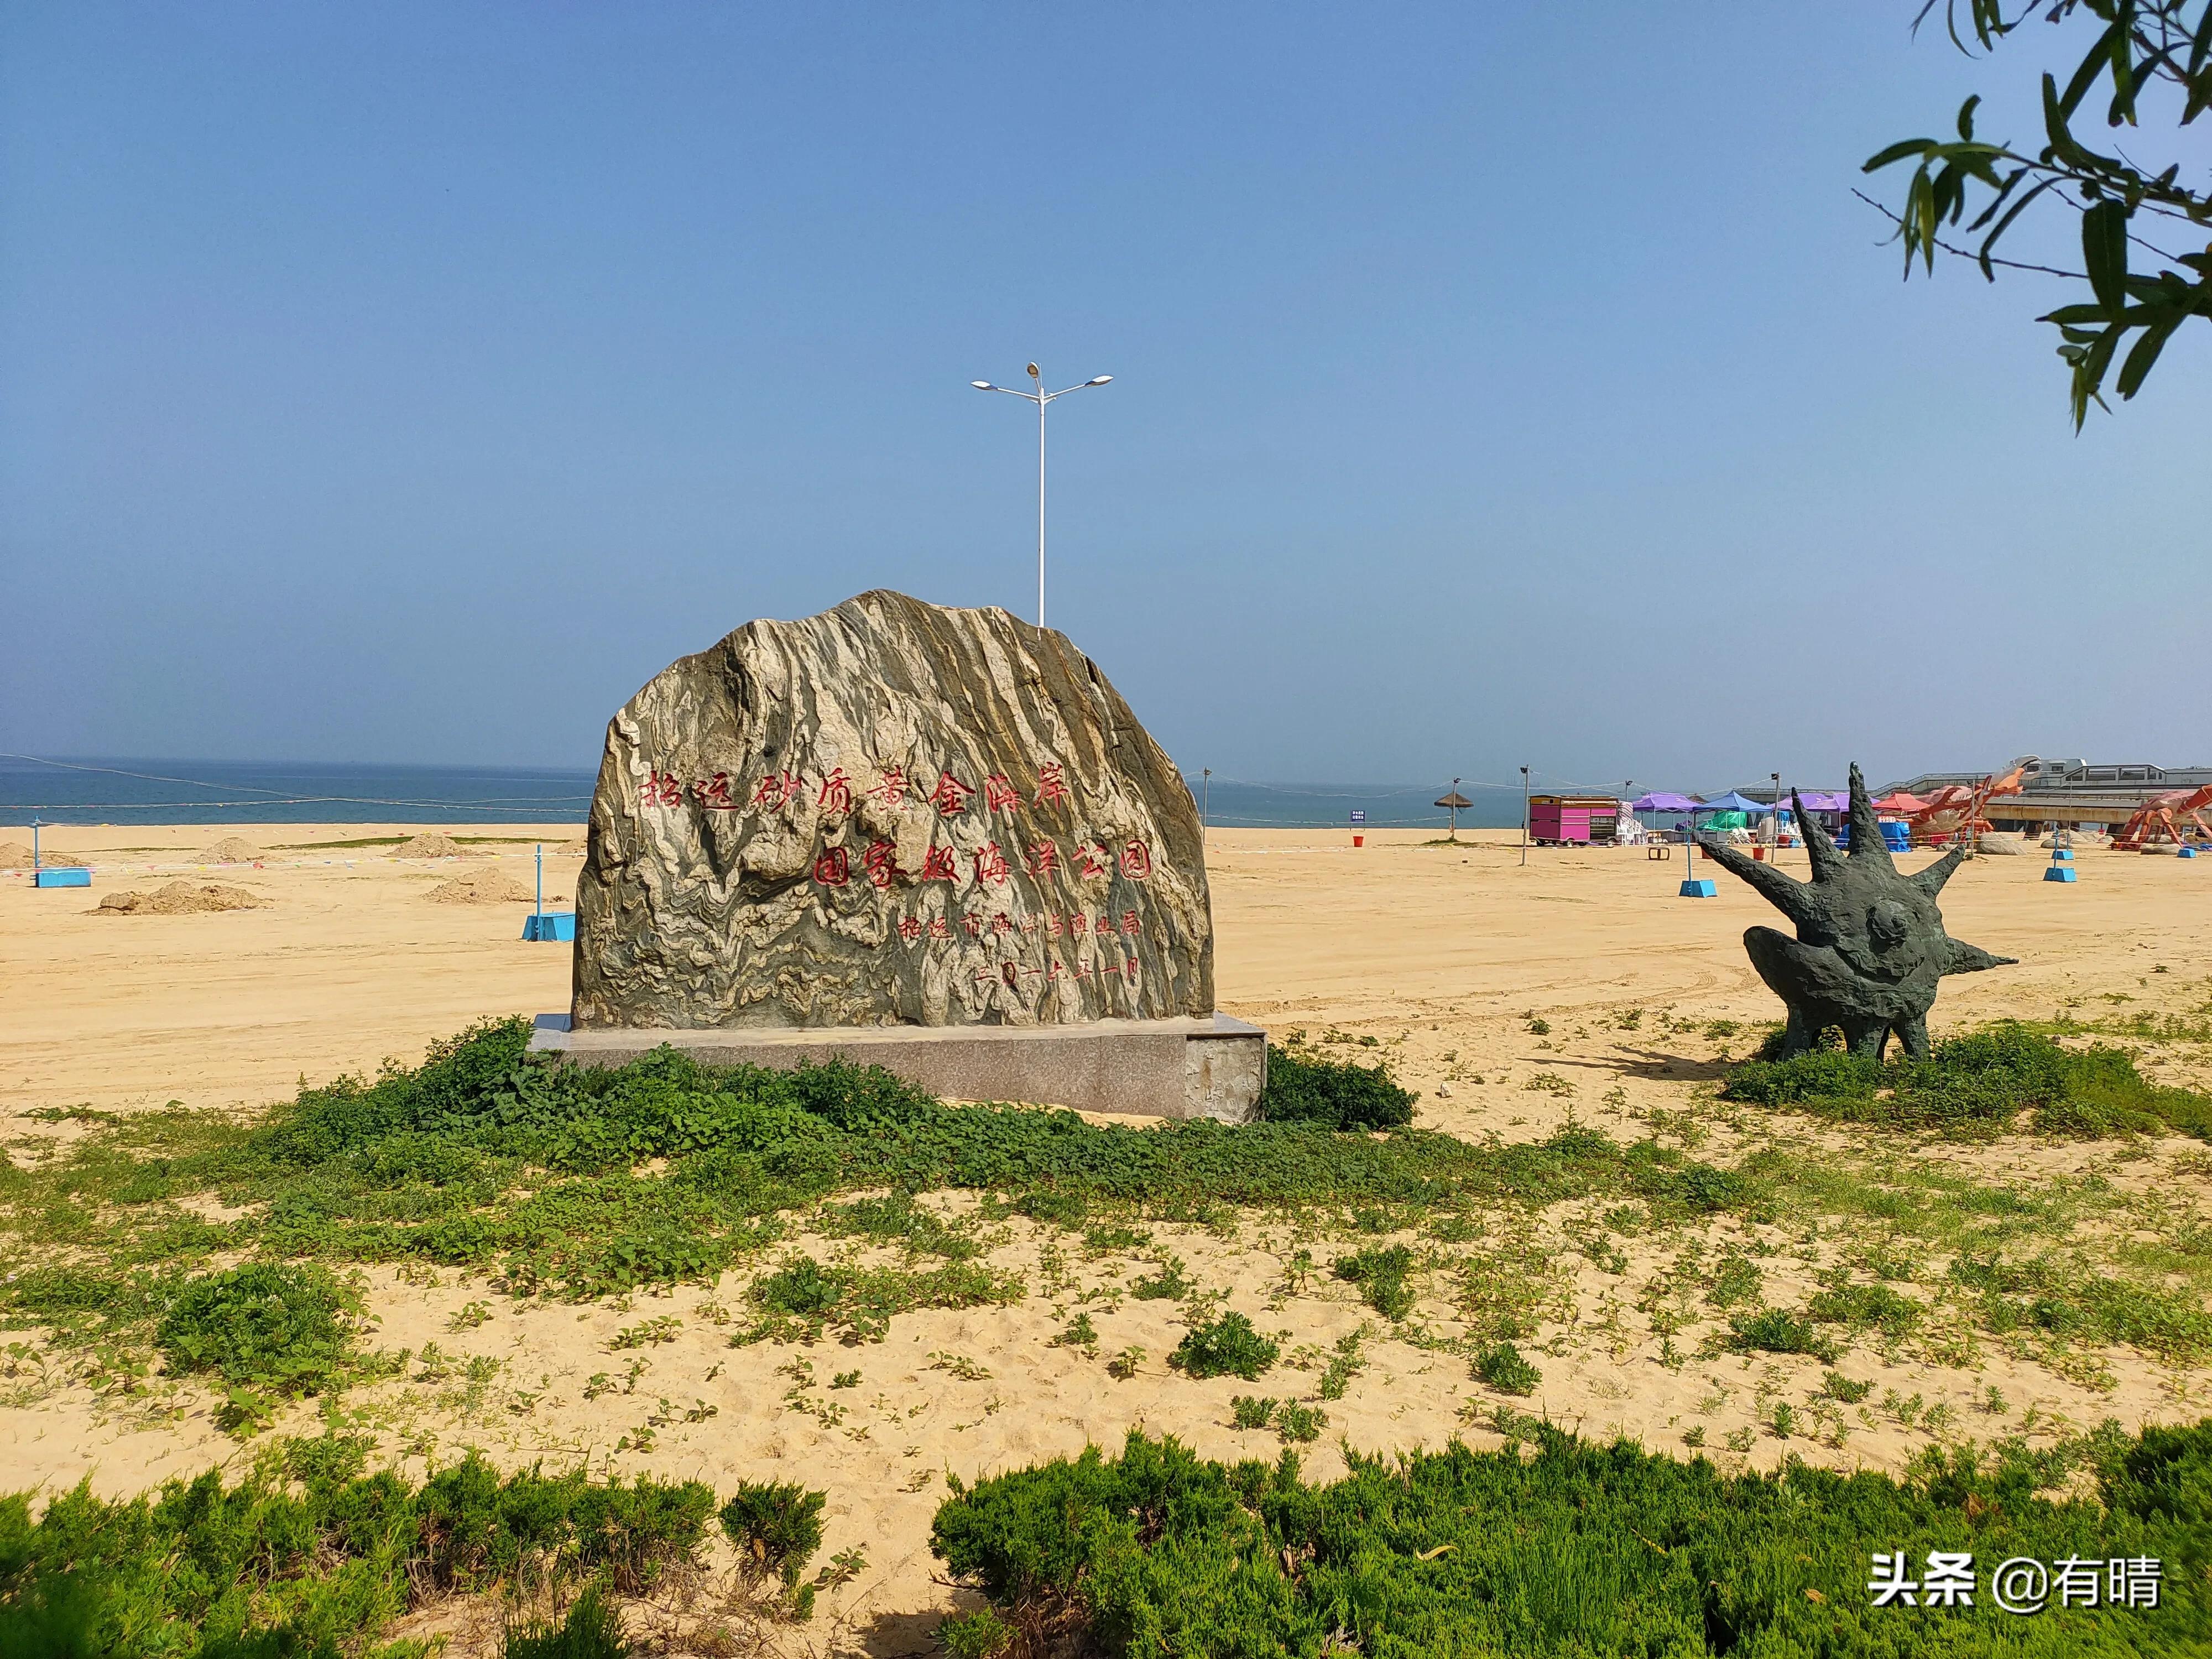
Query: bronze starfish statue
point(1870, 946)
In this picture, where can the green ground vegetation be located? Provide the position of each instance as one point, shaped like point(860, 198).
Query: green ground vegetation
point(227, 1249)
point(1305, 1088)
point(308, 1554)
point(558, 1181)
point(1582, 1549)
point(1980, 1084)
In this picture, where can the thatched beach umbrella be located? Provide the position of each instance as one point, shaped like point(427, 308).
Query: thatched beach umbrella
point(1458, 803)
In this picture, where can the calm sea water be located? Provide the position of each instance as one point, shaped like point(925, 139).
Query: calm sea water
point(105, 791)
point(77, 790)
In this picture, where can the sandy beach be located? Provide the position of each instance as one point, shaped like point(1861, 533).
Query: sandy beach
point(1440, 958)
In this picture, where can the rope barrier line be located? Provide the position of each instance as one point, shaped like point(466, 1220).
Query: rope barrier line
point(523, 804)
point(269, 796)
point(296, 800)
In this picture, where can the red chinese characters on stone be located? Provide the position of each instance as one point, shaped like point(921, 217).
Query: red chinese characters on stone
point(951, 795)
point(1090, 860)
point(1001, 923)
point(836, 792)
point(1052, 924)
point(1136, 861)
point(892, 789)
point(1043, 858)
point(939, 929)
point(937, 865)
point(1052, 784)
point(1129, 923)
point(832, 868)
point(776, 789)
point(998, 795)
point(881, 862)
point(974, 924)
point(909, 928)
point(713, 794)
point(990, 864)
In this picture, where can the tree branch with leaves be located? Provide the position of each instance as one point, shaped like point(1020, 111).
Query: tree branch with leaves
point(2138, 286)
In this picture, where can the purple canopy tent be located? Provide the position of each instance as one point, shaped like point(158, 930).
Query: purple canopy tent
point(1659, 801)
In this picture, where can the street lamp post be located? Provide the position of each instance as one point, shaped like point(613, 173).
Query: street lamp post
point(1040, 398)
point(1524, 815)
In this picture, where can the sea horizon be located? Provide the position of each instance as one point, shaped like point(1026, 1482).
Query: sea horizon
point(97, 790)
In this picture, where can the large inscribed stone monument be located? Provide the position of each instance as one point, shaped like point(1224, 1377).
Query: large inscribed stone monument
point(892, 815)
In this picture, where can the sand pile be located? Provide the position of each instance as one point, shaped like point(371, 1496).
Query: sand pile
point(17, 855)
point(482, 887)
point(180, 898)
point(229, 850)
point(431, 844)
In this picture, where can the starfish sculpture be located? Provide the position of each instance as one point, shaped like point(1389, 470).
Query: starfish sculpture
point(1870, 946)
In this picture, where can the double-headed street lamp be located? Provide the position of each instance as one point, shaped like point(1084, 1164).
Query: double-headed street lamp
point(1040, 398)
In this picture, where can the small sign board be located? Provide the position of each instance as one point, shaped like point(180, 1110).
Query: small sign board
point(1359, 815)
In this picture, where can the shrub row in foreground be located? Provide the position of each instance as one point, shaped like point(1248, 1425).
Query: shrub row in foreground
point(309, 1556)
point(1590, 1551)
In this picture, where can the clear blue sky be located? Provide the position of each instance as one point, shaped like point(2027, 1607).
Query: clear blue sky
point(1498, 383)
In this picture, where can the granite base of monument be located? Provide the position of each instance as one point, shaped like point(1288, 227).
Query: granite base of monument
point(1213, 1067)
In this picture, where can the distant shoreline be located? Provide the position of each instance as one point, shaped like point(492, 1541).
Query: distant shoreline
point(96, 791)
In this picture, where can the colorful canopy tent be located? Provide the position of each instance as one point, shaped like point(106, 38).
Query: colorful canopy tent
point(1897, 801)
point(1660, 801)
point(1825, 801)
point(1731, 802)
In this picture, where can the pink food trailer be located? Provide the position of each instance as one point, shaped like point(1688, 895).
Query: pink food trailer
point(1572, 820)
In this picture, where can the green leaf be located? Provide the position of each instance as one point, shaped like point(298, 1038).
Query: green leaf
point(1897, 153)
point(1966, 117)
point(2137, 367)
point(2104, 253)
point(2094, 65)
point(2123, 83)
point(2005, 223)
point(2062, 146)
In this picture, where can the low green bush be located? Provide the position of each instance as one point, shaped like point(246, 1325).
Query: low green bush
point(308, 1555)
point(1227, 1347)
point(1861, 1305)
point(1583, 1551)
point(266, 1325)
point(1776, 1330)
point(1299, 1424)
point(1978, 1085)
point(591, 1630)
point(1332, 1093)
point(1245, 1411)
point(777, 1527)
point(802, 1299)
point(1504, 1367)
point(1737, 1279)
point(1381, 1276)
